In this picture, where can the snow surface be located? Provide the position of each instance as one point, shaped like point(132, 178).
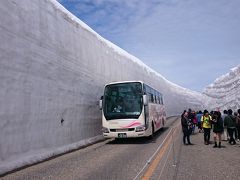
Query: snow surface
point(224, 93)
point(53, 68)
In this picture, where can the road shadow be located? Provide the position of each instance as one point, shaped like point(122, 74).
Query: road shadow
point(139, 140)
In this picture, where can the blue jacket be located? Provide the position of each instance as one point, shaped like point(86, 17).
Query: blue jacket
point(199, 116)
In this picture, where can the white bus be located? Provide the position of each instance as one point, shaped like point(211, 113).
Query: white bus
point(131, 109)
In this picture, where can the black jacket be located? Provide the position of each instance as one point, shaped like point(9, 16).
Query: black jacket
point(185, 124)
point(217, 125)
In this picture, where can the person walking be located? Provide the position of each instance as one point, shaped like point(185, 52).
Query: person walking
point(230, 122)
point(190, 118)
point(238, 125)
point(225, 133)
point(217, 128)
point(206, 124)
point(237, 130)
point(194, 121)
point(186, 127)
point(199, 116)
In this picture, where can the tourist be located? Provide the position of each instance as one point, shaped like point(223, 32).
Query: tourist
point(217, 128)
point(225, 133)
point(199, 116)
point(186, 127)
point(206, 124)
point(230, 122)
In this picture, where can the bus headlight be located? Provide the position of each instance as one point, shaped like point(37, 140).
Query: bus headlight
point(140, 128)
point(105, 130)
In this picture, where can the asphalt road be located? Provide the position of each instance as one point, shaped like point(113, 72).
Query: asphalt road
point(164, 157)
point(140, 158)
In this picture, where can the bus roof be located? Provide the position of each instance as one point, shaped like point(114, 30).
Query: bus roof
point(119, 82)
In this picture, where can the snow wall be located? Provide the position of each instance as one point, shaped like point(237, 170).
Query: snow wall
point(53, 69)
point(224, 93)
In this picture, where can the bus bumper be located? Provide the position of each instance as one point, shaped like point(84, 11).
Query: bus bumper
point(126, 134)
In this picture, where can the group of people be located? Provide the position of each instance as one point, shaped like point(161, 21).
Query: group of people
point(227, 125)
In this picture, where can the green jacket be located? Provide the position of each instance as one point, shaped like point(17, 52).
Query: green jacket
point(230, 121)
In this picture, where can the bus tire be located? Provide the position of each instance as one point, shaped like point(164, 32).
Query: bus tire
point(152, 135)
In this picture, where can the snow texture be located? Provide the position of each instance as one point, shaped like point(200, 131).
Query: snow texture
point(53, 68)
point(224, 93)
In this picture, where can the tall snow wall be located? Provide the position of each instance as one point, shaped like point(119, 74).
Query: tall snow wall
point(53, 69)
point(224, 93)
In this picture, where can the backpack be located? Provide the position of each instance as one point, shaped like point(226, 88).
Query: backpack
point(207, 121)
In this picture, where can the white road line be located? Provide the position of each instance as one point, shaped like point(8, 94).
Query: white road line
point(159, 147)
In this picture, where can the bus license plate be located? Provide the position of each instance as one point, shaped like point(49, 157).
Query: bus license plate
point(122, 135)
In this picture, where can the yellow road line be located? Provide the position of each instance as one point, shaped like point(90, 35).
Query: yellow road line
point(147, 175)
point(156, 161)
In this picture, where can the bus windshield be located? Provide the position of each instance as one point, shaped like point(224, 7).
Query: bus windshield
point(123, 101)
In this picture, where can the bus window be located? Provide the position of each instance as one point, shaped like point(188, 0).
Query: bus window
point(123, 100)
point(152, 98)
point(158, 100)
point(161, 100)
point(149, 97)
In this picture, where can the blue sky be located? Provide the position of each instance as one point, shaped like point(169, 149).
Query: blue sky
point(189, 42)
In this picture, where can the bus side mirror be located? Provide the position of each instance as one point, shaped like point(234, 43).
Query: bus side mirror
point(145, 100)
point(100, 103)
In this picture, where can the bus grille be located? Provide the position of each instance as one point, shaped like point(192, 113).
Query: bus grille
point(122, 130)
